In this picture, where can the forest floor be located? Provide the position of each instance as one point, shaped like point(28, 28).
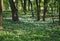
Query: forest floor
point(28, 29)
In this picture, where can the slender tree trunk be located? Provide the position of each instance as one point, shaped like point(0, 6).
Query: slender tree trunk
point(14, 11)
point(3, 8)
point(22, 3)
point(38, 9)
point(29, 2)
point(0, 14)
point(30, 5)
point(59, 9)
point(16, 4)
point(32, 10)
point(59, 12)
point(24, 6)
point(45, 9)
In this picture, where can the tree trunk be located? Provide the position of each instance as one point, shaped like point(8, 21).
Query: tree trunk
point(3, 8)
point(0, 14)
point(38, 9)
point(30, 5)
point(22, 3)
point(24, 6)
point(32, 10)
point(14, 11)
point(59, 12)
point(29, 2)
point(45, 9)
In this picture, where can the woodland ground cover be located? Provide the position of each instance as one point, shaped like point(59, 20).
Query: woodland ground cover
point(28, 29)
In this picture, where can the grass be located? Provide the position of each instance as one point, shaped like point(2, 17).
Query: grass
point(28, 29)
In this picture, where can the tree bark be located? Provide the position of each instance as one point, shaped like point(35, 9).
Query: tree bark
point(0, 13)
point(24, 6)
point(29, 2)
point(59, 12)
point(14, 11)
point(59, 9)
point(32, 10)
point(38, 9)
point(22, 3)
point(30, 5)
point(45, 9)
